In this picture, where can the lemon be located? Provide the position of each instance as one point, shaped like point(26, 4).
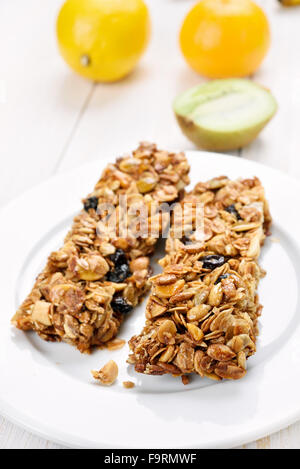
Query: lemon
point(103, 40)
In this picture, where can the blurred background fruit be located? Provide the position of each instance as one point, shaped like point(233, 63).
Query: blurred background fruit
point(225, 38)
point(224, 114)
point(289, 3)
point(103, 39)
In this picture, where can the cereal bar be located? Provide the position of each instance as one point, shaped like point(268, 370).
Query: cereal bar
point(203, 309)
point(102, 270)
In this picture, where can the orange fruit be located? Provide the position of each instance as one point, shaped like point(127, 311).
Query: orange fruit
point(225, 38)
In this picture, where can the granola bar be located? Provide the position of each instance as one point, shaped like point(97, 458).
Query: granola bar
point(203, 310)
point(102, 272)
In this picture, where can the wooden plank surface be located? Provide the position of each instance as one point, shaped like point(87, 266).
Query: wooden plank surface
point(41, 100)
point(52, 121)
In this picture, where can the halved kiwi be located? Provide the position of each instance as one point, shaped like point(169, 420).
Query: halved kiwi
point(224, 114)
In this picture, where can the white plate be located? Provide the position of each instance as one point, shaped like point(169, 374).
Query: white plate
point(48, 389)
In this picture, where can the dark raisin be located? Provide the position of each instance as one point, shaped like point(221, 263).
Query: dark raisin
point(186, 241)
point(91, 202)
point(231, 209)
point(119, 257)
point(121, 268)
point(119, 274)
point(212, 261)
point(119, 305)
point(221, 278)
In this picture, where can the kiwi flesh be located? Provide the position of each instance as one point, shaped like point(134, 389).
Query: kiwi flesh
point(224, 115)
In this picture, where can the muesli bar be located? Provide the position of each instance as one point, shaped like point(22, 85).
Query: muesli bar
point(102, 271)
point(203, 310)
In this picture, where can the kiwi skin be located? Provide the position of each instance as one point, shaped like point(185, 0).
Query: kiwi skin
point(218, 141)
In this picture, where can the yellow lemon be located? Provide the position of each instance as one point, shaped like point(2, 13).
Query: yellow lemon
point(103, 39)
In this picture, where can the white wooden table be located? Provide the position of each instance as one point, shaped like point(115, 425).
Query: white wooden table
point(51, 120)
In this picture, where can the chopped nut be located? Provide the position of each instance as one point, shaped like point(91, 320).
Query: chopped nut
point(245, 226)
point(141, 263)
point(71, 327)
point(241, 359)
point(195, 332)
point(240, 342)
point(254, 246)
point(41, 312)
point(168, 354)
point(107, 249)
point(130, 164)
point(166, 279)
point(154, 309)
point(167, 194)
point(165, 291)
point(185, 379)
point(217, 183)
point(166, 332)
point(220, 352)
point(201, 297)
point(91, 267)
point(108, 373)
point(229, 370)
point(146, 184)
point(215, 295)
point(198, 313)
point(128, 384)
point(86, 330)
point(185, 358)
point(198, 357)
point(66, 296)
point(182, 297)
point(115, 344)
